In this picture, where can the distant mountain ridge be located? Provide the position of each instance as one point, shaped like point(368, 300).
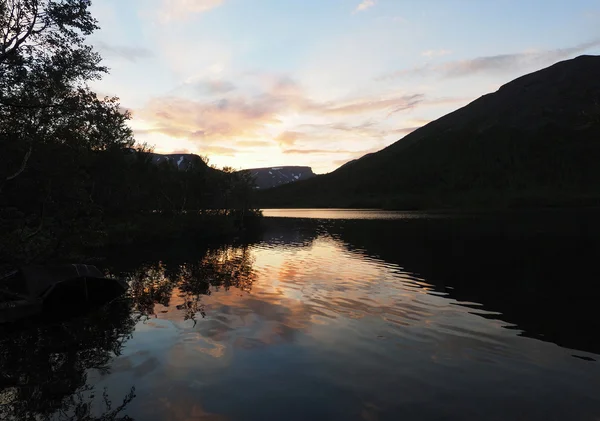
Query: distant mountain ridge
point(269, 177)
point(534, 142)
point(180, 160)
point(265, 178)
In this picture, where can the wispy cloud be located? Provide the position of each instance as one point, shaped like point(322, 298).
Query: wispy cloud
point(406, 130)
point(253, 143)
point(235, 114)
point(435, 53)
point(367, 129)
point(316, 151)
point(220, 150)
point(354, 156)
point(501, 63)
point(175, 10)
point(124, 52)
point(212, 87)
point(366, 4)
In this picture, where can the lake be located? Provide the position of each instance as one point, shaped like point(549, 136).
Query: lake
point(333, 315)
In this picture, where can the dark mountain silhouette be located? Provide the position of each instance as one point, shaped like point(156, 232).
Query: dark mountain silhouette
point(276, 176)
point(355, 160)
point(534, 142)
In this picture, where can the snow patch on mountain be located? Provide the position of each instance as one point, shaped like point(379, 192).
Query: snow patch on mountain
point(267, 178)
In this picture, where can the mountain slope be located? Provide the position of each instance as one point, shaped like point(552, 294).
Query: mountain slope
point(277, 176)
point(536, 141)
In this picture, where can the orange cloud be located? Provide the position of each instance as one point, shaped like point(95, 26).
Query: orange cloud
point(316, 151)
point(249, 117)
point(253, 143)
point(212, 120)
point(288, 138)
point(219, 150)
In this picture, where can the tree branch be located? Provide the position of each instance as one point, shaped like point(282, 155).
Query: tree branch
point(31, 106)
point(23, 164)
point(19, 41)
point(41, 225)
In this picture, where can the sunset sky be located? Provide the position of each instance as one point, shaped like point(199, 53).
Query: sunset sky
point(255, 83)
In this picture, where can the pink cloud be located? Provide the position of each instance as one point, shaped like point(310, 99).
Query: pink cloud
point(235, 115)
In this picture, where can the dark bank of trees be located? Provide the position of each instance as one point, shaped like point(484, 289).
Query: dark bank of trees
point(70, 172)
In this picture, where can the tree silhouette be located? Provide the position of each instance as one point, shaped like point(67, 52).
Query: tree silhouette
point(43, 368)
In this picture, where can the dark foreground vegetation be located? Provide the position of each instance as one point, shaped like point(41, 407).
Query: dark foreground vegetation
point(533, 143)
point(71, 175)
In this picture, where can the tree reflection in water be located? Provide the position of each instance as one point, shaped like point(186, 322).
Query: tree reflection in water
point(223, 267)
point(44, 368)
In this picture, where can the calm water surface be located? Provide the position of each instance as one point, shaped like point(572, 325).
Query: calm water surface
point(332, 315)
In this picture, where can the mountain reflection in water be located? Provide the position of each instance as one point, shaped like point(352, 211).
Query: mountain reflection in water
point(404, 318)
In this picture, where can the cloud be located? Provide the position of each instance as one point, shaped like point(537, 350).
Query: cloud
point(219, 150)
point(288, 138)
point(214, 119)
point(250, 117)
point(406, 130)
point(354, 155)
point(353, 128)
point(501, 63)
point(253, 143)
point(435, 53)
point(367, 129)
point(132, 54)
point(274, 119)
point(219, 87)
point(392, 104)
point(315, 151)
point(174, 10)
point(214, 87)
point(366, 4)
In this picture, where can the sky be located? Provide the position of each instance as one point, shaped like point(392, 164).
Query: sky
point(263, 83)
